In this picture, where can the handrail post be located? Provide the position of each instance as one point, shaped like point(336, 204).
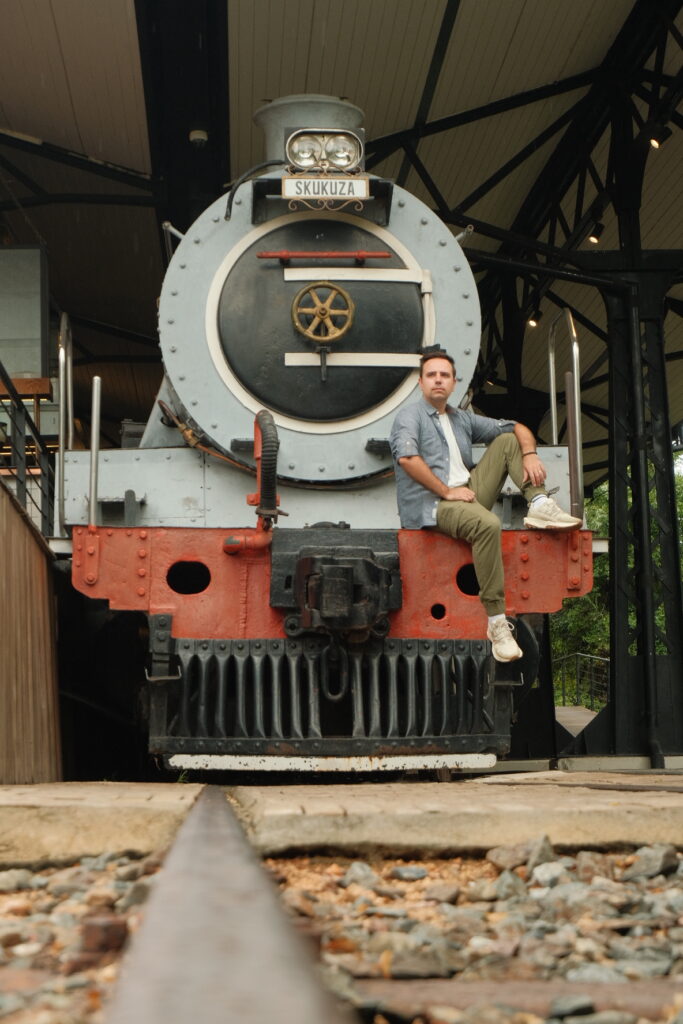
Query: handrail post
point(61, 529)
point(66, 343)
point(573, 403)
point(94, 450)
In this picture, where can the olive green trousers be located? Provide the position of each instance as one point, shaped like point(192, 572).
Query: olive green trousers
point(474, 522)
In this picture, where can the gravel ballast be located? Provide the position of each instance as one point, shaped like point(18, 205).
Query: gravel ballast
point(62, 931)
point(586, 926)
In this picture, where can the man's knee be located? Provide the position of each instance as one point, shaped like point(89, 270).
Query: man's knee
point(504, 442)
point(488, 525)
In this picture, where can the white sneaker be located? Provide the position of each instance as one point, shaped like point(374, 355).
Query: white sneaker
point(547, 515)
point(503, 644)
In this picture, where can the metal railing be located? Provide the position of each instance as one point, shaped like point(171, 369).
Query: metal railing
point(26, 468)
point(573, 405)
point(582, 679)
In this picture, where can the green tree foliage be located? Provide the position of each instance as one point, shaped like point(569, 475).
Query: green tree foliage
point(583, 624)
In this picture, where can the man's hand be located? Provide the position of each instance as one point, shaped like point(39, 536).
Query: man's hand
point(534, 470)
point(459, 494)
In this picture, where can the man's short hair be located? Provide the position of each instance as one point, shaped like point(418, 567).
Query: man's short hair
point(436, 353)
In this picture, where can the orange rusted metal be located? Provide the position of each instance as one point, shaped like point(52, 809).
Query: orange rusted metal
point(133, 574)
point(537, 579)
point(129, 568)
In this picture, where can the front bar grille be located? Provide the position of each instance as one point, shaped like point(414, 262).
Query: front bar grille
point(308, 694)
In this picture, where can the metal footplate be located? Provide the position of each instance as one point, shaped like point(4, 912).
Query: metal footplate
point(311, 704)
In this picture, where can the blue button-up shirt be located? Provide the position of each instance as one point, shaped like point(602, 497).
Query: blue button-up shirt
point(417, 431)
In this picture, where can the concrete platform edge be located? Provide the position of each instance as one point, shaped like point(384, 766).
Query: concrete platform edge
point(63, 822)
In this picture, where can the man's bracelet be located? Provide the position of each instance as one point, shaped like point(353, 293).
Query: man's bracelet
point(524, 454)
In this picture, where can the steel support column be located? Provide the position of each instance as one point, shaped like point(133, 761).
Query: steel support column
point(645, 713)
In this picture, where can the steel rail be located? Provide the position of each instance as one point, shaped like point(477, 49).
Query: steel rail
point(214, 944)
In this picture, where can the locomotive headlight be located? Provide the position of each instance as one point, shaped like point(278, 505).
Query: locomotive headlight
point(339, 151)
point(343, 151)
point(305, 150)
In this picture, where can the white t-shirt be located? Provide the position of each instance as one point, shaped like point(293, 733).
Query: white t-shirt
point(458, 473)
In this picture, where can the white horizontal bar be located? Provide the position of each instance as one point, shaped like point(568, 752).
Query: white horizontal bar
point(408, 359)
point(388, 763)
point(353, 274)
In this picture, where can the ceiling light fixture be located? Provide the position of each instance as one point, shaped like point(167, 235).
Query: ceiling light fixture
point(596, 233)
point(659, 133)
point(534, 318)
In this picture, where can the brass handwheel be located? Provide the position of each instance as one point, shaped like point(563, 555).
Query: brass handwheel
point(322, 312)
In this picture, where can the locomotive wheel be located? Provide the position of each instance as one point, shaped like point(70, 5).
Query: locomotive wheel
point(327, 321)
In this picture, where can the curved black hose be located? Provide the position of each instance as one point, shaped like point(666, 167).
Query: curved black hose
point(243, 177)
point(270, 442)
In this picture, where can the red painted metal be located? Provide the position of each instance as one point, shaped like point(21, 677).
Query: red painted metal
point(289, 254)
point(129, 568)
point(133, 570)
point(537, 579)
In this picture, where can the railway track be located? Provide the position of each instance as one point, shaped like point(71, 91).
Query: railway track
point(527, 931)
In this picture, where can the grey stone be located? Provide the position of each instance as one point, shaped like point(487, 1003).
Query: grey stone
point(14, 879)
point(136, 895)
point(660, 859)
point(642, 968)
point(10, 1002)
point(589, 974)
point(674, 901)
point(481, 890)
point(422, 963)
point(388, 891)
point(70, 882)
point(442, 892)
point(408, 873)
point(38, 881)
point(385, 912)
point(571, 1005)
point(510, 886)
point(509, 857)
point(604, 1017)
point(590, 863)
point(129, 872)
point(571, 894)
point(549, 873)
point(339, 982)
point(468, 919)
point(540, 852)
point(360, 873)
point(424, 933)
point(397, 942)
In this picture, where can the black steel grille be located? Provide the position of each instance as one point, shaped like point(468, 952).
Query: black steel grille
point(308, 694)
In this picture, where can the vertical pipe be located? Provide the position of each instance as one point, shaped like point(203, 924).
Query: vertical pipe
point(573, 401)
point(94, 450)
point(61, 529)
point(641, 496)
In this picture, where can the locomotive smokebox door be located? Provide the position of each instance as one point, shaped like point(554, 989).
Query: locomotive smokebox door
point(359, 322)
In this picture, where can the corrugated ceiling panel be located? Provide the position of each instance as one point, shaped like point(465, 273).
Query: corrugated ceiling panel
point(376, 55)
point(56, 177)
point(72, 77)
point(34, 92)
point(499, 49)
point(99, 45)
point(459, 160)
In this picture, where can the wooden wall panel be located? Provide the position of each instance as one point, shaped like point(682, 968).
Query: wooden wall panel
point(29, 722)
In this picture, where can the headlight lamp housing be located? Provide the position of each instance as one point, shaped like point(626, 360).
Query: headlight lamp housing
point(326, 150)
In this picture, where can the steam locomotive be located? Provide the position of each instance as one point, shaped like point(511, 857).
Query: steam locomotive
point(291, 321)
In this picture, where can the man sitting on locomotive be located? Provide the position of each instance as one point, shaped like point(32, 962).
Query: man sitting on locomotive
point(439, 486)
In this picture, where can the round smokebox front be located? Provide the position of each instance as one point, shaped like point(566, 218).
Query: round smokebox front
point(320, 337)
